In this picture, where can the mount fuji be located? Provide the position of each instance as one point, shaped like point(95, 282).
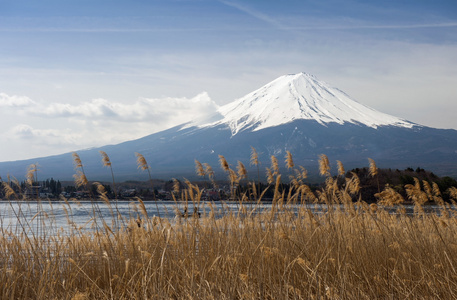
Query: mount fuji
point(296, 113)
point(299, 97)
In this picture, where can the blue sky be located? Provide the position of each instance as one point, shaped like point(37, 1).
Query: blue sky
point(79, 74)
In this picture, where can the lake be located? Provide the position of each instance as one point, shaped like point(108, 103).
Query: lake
point(62, 217)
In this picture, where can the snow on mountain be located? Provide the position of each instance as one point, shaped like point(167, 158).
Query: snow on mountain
point(295, 97)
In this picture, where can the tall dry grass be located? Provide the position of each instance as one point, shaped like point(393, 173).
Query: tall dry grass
point(324, 245)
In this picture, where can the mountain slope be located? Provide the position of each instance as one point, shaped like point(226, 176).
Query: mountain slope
point(295, 113)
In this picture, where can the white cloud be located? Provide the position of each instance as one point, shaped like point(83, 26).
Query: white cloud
point(47, 129)
point(22, 131)
point(155, 111)
point(94, 108)
point(15, 101)
point(43, 136)
point(24, 141)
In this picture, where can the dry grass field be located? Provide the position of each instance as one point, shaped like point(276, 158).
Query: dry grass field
point(351, 250)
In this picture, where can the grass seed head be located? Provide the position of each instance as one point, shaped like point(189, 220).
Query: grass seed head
point(274, 165)
point(270, 176)
point(233, 176)
point(453, 192)
point(199, 169)
point(341, 170)
point(353, 184)
point(209, 171)
point(241, 170)
point(254, 157)
point(324, 165)
point(31, 172)
point(141, 162)
point(436, 190)
point(304, 172)
point(80, 179)
point(289, 161)
point(373, 169)
point(105, 159)
point(77, 160)
point(224, 163)
point(8, 190)
point(176, 186)
point(100, 188)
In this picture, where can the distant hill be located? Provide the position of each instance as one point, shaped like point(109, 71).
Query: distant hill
point(397, 179)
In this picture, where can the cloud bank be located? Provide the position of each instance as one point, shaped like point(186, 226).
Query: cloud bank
point(60, 127)
point(14, 101)
point(143, 110)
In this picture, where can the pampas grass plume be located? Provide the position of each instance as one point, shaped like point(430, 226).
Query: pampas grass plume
point(353, 184)
point(209, 171)
point(176, 186)
point(9, 191)
point(324, 165)
point(233, 176)
point(199, 169)
point(304, 172)
point(254, 157)
point(341, 170)
point(289, 161)
point(80, 179)
point(77, 160)
point(242, 173)
point(373, 170)
point(141, 161)
point(274, 165)
point(31, 171)
point(105, 159)
point(224, 163)
point(270, 176)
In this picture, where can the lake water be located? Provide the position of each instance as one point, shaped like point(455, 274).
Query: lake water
point(19, 216)
point(58, 216)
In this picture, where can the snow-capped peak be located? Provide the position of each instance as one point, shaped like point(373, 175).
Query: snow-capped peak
point(299, 96)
